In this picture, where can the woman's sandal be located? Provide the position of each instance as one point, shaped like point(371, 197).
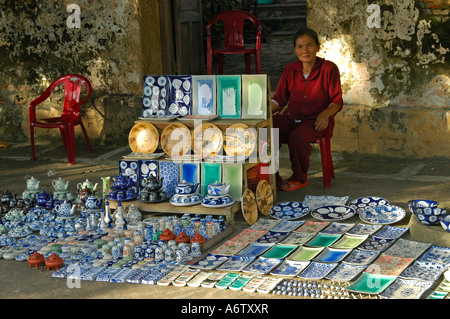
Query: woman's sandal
point(293, 185)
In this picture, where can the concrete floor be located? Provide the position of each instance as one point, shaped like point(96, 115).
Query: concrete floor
point(397, 180)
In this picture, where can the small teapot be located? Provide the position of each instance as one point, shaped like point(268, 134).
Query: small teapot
point(121, 182)
point(152, 183)
point(65, 209)
point(33, 184)
point(218, 189)
point(92, 202)
point(186, 188)
point(60, 185)
point(87, 184)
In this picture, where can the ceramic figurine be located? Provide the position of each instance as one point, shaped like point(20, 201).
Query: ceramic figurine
point(134, 215)
point(36, 259)
point(120, 221)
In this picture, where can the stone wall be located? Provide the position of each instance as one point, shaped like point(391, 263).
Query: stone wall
point(114, 45)
point(395, 75)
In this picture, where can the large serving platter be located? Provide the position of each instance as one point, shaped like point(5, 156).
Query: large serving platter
point(382, 214)
point(289, 210)
point(360, 204)
point(333, 213)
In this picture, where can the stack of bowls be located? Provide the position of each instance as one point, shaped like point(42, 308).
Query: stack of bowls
point(445, 222)
point(427, 211)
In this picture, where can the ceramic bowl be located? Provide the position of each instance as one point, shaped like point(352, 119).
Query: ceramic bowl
point(429, 218)
point(422, 203)
point(445, 222)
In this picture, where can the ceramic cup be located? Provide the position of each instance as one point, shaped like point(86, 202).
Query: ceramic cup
point(195, 249)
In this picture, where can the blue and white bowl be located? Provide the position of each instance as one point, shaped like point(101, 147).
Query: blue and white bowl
point(422, 203)
point(429, 216)
point(445, 222)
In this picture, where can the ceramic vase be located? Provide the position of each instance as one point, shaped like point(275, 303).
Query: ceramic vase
point(108, 219)
point(120, 221)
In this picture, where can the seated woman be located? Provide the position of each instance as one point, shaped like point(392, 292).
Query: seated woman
point(311, 90)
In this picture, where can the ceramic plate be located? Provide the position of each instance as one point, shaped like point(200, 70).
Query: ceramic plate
point(345, 272)
point(248, 235)
point(207, 140)
point(314, 202)
point(209, 262)
point(236, 263)
point(437, 254)
point(143, 138)
point(361, 257)
point(316, 270)
point(240, 140)
point(391, 232)
point(290, 268)
point(364, 229)
point(192, 118)
point(369, 283)
point(389, 265)
point(255, 283)
point(229, 248)
point(304, 253)
point(377, 244)
point(423, 270)
point(217, 201)
point(296, 238)
point(265, 224)
point(254, 249)
point(407, 248)
point(263, 265)
point(289, 210)
point(406, 289)
point(349, 241)
point(330, 213)
point(360, 204)
point(332, 255)
point(249, 207)
point(287, 226)
point(337, 228)
point(311, 226)
point(382, 215)
point(323, 240)
point(159, 118)
point(176, 140)
point(272, 237)
point(279, 251)
point(264, 197)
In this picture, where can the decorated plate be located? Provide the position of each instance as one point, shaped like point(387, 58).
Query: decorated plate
point(249, 207)
point(332, 255)
point(320, 201)
point(264, 197)
point(287, 226)
point(207, 140)
point(366, 283)
point(406, 289)
point(240, 140)
point(346, 272)
point(360, 203)
point(382, 214)
point(333, 213)
point(263, 265)
point(290, 268)
point(176, 139)
point(289, 210)
point(143, 138)
point(317, 271)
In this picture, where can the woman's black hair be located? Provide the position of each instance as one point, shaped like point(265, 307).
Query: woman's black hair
point(306, 31)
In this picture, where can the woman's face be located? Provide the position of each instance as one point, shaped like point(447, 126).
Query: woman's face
point(306, 48)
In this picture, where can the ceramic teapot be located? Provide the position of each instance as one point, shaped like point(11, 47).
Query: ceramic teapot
point(42, 198)
point(121, 182)
point(92, 202)
point(218, 189)
point(60, 185)
point(87, 184)
point(186, 188)
point(33, 184)
point(152, 183)
point(65, 209)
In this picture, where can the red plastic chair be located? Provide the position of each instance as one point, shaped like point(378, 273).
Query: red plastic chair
point(70, 116)
point(233, 21)
point(325, 155)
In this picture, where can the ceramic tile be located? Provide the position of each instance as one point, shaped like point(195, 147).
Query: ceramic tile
point(229, 248)
point(232, 174)
point(236, 263)
point(129, 168)
point(349, 241)
point(361, 257)
point(287, 225)
point(155, 99)
point(264, 224)
point(346, 272)
point(296, 238)
point(375, 243)
point(338, 228)
point(272, 237)
point(279, 251)
point(145, 169)
point(190, 172)
point(263, 265)
point(169, 171)
point(423, 270)
point(389, 231)
point(254, 96)
point(369, 283)
point(254, 249)
point(204, 95)
point(323, 240)
point(389, 265)
point(312, 226)
point(316, 270)
point(210, 173)
point(180, 91)
point(290, 268)
point(407, 248)
point(437, 254)
point(363, 229)
point(248, 235)
point(229, 96)
point(304, 253)
point(332, 255)
point(406, 289)
point(210, 261)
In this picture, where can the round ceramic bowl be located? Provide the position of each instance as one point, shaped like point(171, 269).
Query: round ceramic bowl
point(429, 219)
point(445, 222)
point(422, 203)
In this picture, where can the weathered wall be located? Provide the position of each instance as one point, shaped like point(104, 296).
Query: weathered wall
point(118, 41)
point(396, 77)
